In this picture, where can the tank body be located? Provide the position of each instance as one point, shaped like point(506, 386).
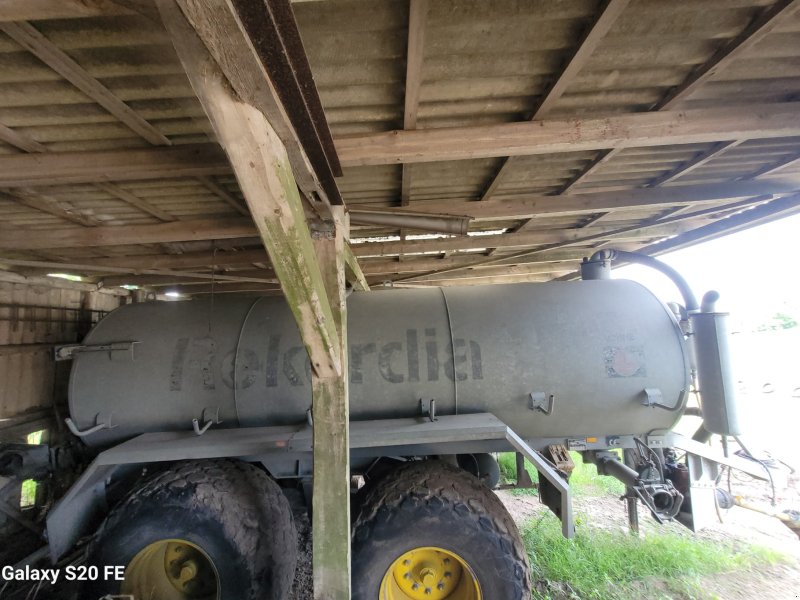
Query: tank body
point(588, 348)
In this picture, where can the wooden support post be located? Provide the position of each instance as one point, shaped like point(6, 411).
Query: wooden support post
point(315, 295)
point(330, 412)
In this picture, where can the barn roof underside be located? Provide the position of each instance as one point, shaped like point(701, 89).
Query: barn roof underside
point(86, 93)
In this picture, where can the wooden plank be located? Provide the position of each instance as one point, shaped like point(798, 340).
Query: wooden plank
point(57, 168)
point(28, 144)
point(39, 10)
point(10, 349)
point(776, 166)
point(162, 279)
point(133, 200)
point(331, 433)
point(496, 209)
point(142, 276)
point(776, 209)
point(695, 163)
point(265, 177)
point(545, 137)
point(237, 58)
point(747, 38)
point(353, 270)
point(187, 260)
point(418, 15)
point(121, 235)
point(48, 205)
point(751, 35)
point(528, 206)
point(508, 240)
point(21, 141)
point(32, 40)
point(218, 191)
point(315, 295)
point(657, 227)
point(609, 12)
point(31, 10)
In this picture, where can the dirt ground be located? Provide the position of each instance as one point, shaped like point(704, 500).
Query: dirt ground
point(772, 582)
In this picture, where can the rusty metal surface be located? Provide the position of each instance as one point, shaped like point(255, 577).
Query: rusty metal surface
point(277, 43)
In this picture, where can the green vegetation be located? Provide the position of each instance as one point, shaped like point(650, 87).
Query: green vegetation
point(599, 564)
point(778, 321)
point(584, 479)
point(27, 496)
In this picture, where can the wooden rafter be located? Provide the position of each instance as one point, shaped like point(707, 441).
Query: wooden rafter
point(40, 202)
point(143, 276)
point(31, 10)
point(29, 38)
point(696, 162)
point(174, 231)
point(545, 137)
point(497, 209)
point(28, 144)
point(779, 208)
point(223, 194)
point(608, 14)
point(418, 14)
point(62, 168)
point(657, 227)
point(752, 34)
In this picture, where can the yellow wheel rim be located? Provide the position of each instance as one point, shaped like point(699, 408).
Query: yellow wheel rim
point(430, 574)
point(171, 570)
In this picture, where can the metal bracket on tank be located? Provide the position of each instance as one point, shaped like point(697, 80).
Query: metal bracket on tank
point(68, 351)
point(100, 423)
point(542, 402)
point(207, 423)
point(431, 412)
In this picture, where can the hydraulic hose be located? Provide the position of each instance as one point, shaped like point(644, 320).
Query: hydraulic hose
point(643, 259)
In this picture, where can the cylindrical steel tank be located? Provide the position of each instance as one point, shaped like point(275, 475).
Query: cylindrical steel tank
point(585, 350)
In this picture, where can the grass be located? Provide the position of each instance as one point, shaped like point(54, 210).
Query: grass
point(604, 565)
point(613, 565)
point(584, 479)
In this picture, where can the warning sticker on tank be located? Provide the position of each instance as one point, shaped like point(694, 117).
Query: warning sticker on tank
point(627, 361)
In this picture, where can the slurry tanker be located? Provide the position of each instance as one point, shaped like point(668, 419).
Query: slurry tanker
point(195, 418)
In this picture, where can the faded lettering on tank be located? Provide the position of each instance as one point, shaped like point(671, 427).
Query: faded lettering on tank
point(290, 362)
point(357, 352)
point(417, 357)
point(273, 356)
point(195, 356)
point(243, 369)
point(178, 357)
point(385, 362)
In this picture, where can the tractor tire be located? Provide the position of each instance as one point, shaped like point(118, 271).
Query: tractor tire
point(433, 531)
point(205, 530)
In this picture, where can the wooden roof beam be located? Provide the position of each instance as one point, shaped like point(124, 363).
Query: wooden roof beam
point(32, 40)
point(40, 10)
point(35, 10)
point(63, 168)
point(756, 31)
point(491, 210)
point(750, 35)
point(107, 235)
point(28, 144)
point(545, 137)
point(608, 14)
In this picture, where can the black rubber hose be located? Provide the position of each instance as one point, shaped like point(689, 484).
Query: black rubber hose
point(643, 259)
